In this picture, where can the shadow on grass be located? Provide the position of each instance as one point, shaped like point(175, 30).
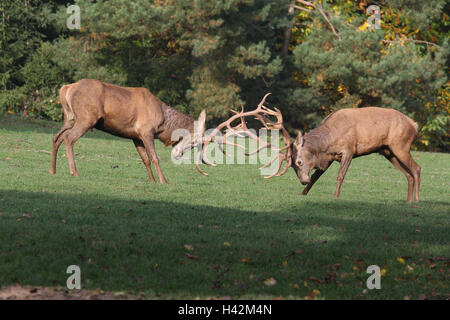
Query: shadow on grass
point(185, 250)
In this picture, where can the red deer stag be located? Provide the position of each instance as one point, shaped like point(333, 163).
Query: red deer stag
point(343, 135)
point(132, 113)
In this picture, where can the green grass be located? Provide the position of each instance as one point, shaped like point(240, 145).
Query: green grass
point(127, 234)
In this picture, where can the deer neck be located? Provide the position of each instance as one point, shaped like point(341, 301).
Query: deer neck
point(173, 120)
point(318, 142)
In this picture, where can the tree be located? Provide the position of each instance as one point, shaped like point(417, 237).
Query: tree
point(342, 63)
point(314, 56)
point(207, 54)
point(22, 28)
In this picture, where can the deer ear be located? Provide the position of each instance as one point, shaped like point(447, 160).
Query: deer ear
point(299, 139)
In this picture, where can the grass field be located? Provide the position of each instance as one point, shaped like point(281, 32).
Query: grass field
point(232, 234)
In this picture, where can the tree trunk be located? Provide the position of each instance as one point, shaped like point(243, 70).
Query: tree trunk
point(288, 31)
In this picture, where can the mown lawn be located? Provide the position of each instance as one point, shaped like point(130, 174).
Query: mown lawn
point(231, 234)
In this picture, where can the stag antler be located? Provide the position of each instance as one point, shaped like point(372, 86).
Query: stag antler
point(261, 113)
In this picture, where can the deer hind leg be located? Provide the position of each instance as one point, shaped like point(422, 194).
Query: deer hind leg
point(149, 145)
point(70, 137)
point(144, 156)
point(405, 158)
point(405, 170)
point(57, 140)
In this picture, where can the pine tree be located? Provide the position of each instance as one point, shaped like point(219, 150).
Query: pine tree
point(398, 66)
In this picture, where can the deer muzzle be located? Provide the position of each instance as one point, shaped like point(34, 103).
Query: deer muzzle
point(303, 177)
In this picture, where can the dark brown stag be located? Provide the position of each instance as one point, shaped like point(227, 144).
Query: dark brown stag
point(342, 136)
point(132, 113)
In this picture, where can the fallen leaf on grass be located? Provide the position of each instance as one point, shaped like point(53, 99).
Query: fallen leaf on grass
point(270, 282)
point(359, 262)
point(294, 252)
point(335, 266)
point(190, 256)
point(408, 269)
point(401, 260)
point(245, 260)
point(189, 247)
point(316, 280)
point(312, 294)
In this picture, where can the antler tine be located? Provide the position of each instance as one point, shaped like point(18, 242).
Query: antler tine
point(261, 113)
point(255, 137)
point(270, 125)
point(286, 167)
point(261, 104)
point(225, 141)
point(276, 172)
point(205, 158)
point(279, 155)
point(197, 164)
point(263, 120)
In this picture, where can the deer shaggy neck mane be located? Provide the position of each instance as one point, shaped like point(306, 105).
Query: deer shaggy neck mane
point(317, 139)
point(174, 119)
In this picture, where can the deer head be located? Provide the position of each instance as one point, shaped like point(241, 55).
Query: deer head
point(188, 140)
point(303, 160)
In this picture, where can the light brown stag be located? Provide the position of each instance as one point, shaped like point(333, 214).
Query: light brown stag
point(132, 113)
point(343, 135)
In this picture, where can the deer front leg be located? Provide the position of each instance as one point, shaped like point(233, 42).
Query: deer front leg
point(345, 163)
point(149, 145)
point(316, 175)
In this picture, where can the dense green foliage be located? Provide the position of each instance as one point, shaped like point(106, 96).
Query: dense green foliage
point(219, 55)
point(232, 233)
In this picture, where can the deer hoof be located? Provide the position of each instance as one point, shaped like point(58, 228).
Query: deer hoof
point(51, 171)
